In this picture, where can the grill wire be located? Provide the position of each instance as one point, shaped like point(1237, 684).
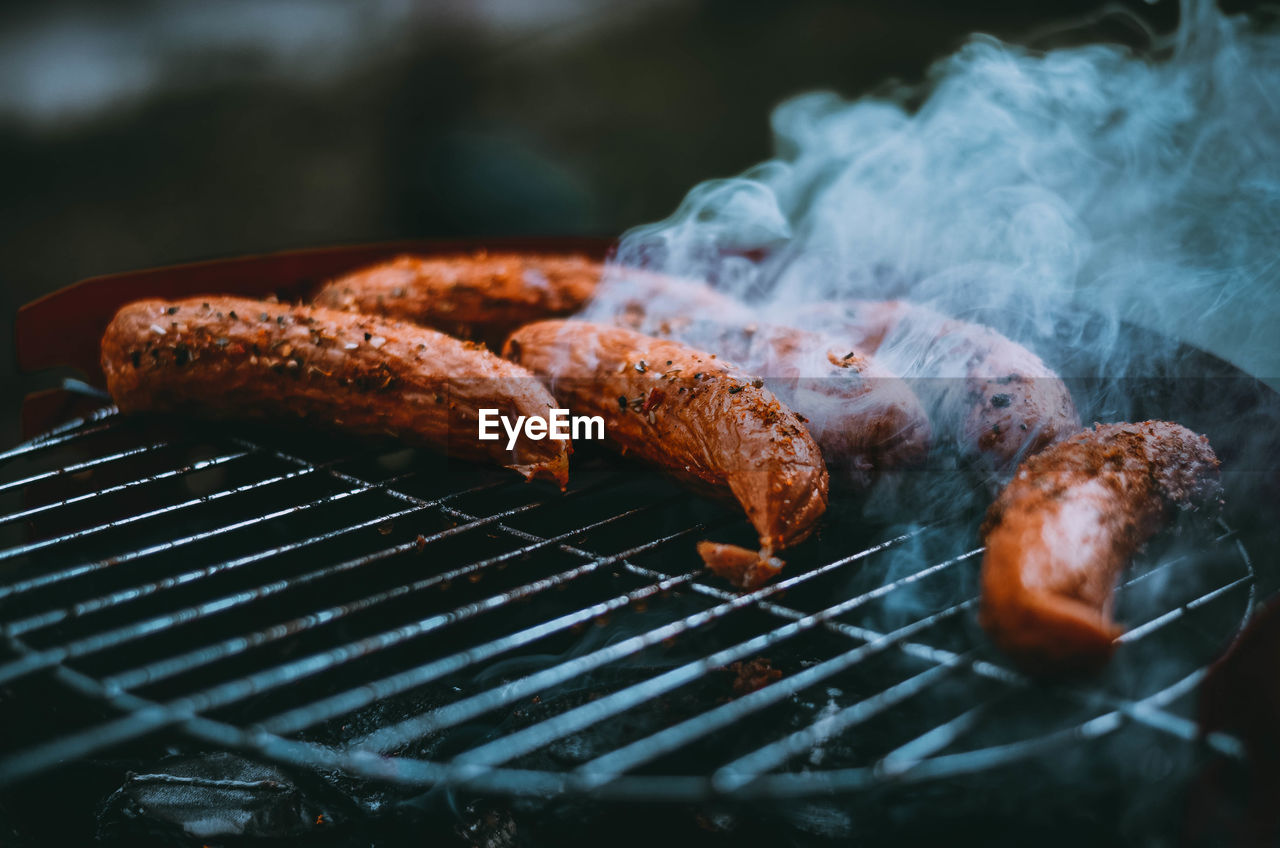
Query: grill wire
point(387, 614)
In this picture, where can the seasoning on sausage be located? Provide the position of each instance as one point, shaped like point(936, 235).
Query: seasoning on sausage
point(865, 419)
point(229, 357)
point(696, 416)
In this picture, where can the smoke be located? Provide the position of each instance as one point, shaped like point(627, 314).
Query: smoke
point(1064, 198)
point(1022, 189)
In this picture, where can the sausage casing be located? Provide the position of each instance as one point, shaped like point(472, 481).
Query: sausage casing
point(1060, 533)
point(995, 398)
point(484, 296)
point(478, 295)
point(863, 417)
point(696, 416)
point(229, 357)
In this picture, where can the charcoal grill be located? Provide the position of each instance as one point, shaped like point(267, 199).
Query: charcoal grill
point(394, 616)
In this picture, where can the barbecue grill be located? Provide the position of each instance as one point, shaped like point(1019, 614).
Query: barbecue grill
point(387, 615)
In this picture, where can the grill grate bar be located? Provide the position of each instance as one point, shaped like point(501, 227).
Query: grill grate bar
point(610, 766)
point(54, 616)
point(42, 544)
point(361, 486)
point(746, 775)
point(328, 468)
point(861, 634)
point(1174, 614)
point(141, 717)
point(907, 755)
point(743, 770)
point(230, 647)
point(77, 467)
point(1155, 719)
point(132, 593)
point(925, 766)
point(537, 735)
point(51, 656)
point(65, 433)
point(643, 750)
point(1144, 712)
point(534, 737)
point(198, 465)
point(415, 727)
point(984, 758)
point(148, 717)
point(353, 699)
point(236, 690)
point(122, 635)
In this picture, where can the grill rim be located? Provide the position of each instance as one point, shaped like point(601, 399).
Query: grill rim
point(505, 780)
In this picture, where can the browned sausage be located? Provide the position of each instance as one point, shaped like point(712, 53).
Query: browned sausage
point(485, 295)
point(1074, 514)
point(994, 397)
point(863, 417)
point(229, 357)
point(696, 416)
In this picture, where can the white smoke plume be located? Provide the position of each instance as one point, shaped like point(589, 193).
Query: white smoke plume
point(1015, 187)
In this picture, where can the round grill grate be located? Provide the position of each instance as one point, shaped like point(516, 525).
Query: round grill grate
point(391, 615)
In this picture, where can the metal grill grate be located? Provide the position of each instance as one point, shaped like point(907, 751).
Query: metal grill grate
point(397, 617)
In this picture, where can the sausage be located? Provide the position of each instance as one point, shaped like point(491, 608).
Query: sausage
point(993, 397)
point(485, 296)
point(863, 417)
point(1060, 533)
point(696, 416)
point(238, 358)
point(477, 295)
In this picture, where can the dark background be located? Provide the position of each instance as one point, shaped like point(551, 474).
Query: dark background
point(135, 134)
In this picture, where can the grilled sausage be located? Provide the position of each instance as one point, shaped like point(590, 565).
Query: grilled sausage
point(228, 357)
point(1060, 533)
point(992, 396)
point(696, 416)
point(476, 296)
point(864, 419)
point(862, 415)
point(485, 296)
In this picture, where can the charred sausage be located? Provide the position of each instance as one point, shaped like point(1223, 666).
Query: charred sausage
point(992, 396)
point(1060, 533)
point(862, 415)
point(485, 296)
point(696, 416)
point(228, 357)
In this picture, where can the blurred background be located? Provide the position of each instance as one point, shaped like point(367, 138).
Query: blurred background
point(140, 133)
